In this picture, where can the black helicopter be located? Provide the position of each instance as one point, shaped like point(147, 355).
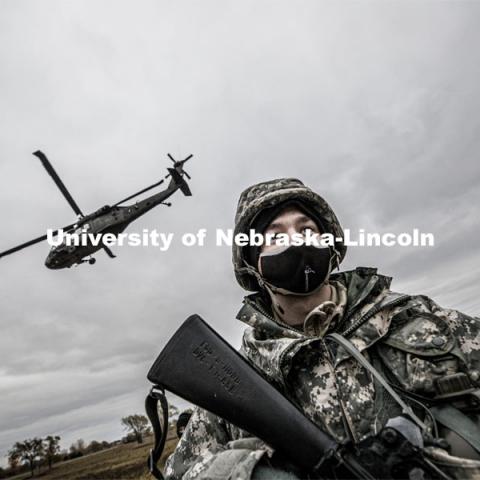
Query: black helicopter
point(108, 219)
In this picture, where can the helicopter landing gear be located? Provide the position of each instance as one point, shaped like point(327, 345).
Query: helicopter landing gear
point(90, 261)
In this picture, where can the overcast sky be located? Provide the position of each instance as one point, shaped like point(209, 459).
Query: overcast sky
point(375, 105)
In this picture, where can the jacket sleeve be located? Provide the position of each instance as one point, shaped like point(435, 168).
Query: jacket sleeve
point(210, 448)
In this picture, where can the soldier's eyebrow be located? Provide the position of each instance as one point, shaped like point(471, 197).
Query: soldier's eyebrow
point(304, 219)
point(298, 221)
point(274, 226)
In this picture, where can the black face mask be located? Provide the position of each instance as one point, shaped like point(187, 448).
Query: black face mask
point(299, 269)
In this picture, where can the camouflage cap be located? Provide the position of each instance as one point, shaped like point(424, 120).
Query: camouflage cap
point(268, 194)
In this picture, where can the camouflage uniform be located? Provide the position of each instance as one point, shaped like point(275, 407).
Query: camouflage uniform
point(421, 347)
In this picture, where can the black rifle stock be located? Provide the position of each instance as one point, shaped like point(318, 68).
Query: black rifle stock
point(199, 366)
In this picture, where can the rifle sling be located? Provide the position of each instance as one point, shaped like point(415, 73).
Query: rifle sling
point(160, 434)
point(458, 422)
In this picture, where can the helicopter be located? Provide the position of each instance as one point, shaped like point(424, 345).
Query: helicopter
point(107, 219)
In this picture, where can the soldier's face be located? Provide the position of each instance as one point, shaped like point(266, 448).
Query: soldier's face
point(289, 221)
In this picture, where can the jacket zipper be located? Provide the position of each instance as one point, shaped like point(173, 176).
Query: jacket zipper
point(371, 313)
point(348, 426)
point(345, 333)
point(352, 307)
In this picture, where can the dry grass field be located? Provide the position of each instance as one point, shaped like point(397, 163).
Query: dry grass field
point(127, 461)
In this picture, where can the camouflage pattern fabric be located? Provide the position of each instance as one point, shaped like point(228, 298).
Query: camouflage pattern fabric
point(418, 342)
point(211, 448)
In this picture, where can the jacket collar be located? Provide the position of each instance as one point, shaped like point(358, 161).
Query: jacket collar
point(366, 290)
point(360, 284)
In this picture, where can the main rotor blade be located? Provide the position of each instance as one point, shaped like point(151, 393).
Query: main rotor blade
point(32, 242)
point(140, 192)
point(179, 162)
point(58, 181)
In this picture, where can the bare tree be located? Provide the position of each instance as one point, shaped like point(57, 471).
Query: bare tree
point(51, 446)
point(77, 449)
point(13, 458)
point(29, 451)
point(137, 424)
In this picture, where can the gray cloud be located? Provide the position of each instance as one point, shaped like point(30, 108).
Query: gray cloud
point(373, 104)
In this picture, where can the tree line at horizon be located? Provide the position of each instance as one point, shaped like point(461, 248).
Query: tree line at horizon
point(35, 453)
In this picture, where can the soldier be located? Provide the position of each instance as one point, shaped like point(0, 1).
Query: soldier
point(430, 354)
point(182, 422)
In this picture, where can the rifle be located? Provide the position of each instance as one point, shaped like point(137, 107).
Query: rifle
point(201, 367)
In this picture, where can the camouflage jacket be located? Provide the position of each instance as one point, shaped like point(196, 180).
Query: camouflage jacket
point(409, 338)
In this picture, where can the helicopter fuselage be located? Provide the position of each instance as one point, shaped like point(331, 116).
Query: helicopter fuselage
point(77, 241)
point(105, 220)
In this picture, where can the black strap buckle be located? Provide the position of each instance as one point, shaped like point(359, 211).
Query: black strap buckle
point(157, 392)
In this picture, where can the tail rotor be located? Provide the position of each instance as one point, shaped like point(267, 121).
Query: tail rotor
point(177, 173)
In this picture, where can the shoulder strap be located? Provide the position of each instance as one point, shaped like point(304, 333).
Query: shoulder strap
point(352, 350)
point(458, 422)
point(155, 396)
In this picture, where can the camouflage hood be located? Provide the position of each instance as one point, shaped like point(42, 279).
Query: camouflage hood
point(269, 194)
